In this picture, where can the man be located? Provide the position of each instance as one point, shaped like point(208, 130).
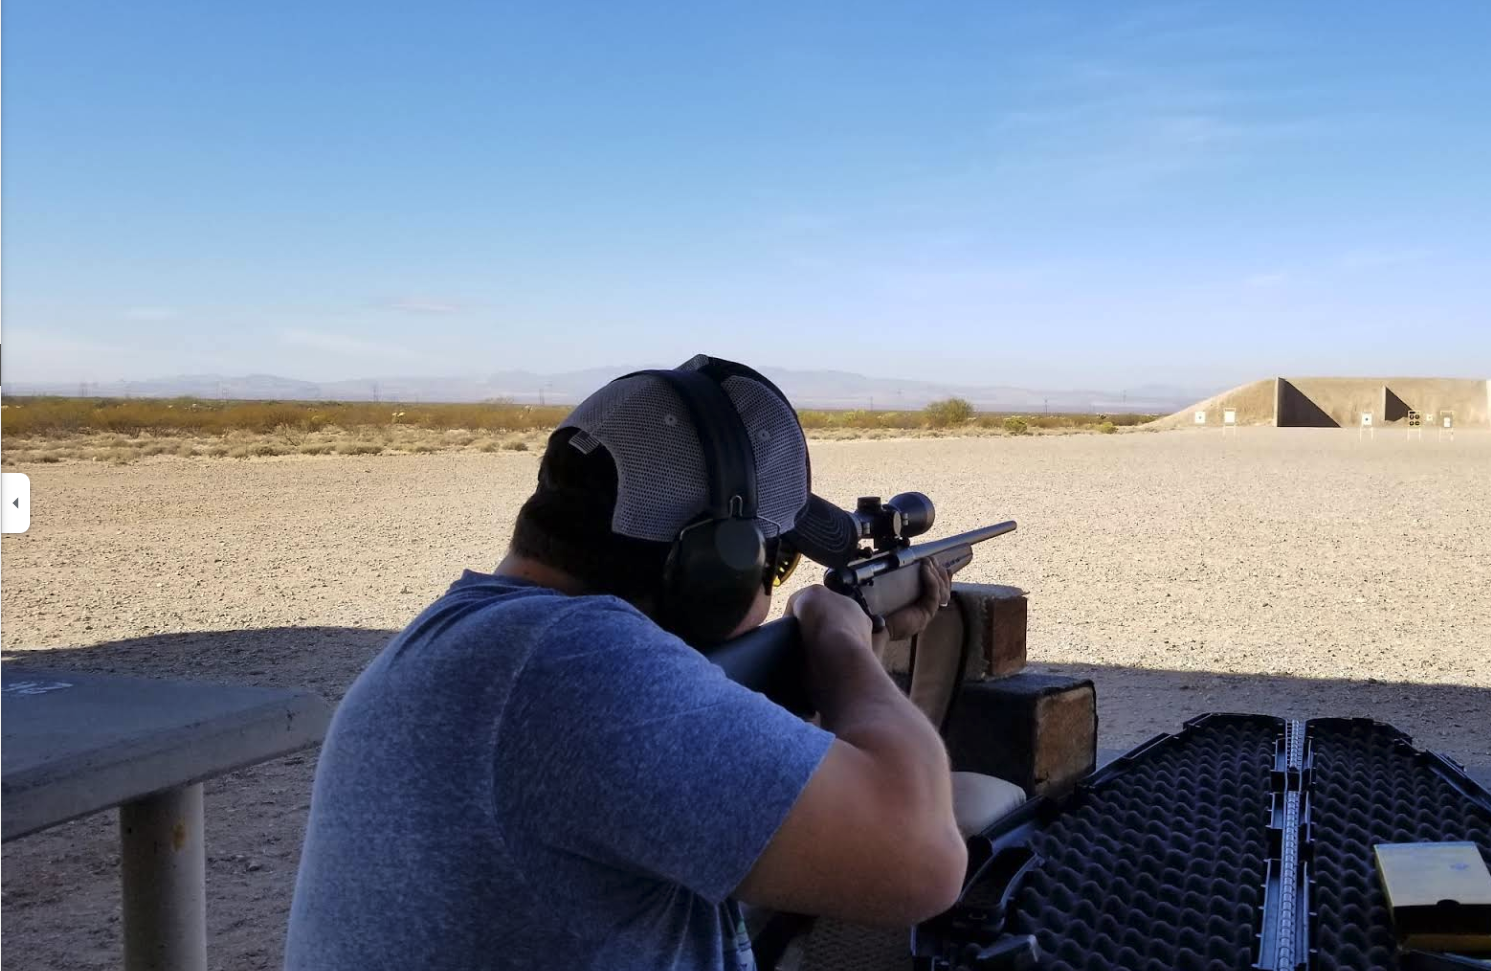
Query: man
point(540, 773)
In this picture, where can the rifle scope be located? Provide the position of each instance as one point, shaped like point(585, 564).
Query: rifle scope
point(890, 525)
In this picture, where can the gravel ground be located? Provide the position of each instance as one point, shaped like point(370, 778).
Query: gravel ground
point(1294, 571)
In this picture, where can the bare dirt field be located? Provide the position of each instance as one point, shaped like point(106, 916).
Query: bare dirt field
point(1295, 571)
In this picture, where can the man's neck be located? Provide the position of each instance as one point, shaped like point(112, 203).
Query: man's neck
point(524, 568)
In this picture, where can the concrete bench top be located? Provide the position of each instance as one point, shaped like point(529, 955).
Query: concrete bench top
point(76, 744)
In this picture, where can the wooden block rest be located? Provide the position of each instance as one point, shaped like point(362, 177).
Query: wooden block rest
point(1039, 731)
point(995, 618)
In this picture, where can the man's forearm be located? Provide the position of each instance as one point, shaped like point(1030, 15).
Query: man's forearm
point(860, 704)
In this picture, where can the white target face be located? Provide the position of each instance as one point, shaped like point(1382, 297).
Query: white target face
point(1366, 418)
point(1448, 422)
point(1229, 417)
point(1200, 417)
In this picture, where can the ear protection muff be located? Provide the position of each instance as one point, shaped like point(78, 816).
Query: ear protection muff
point(718, 561)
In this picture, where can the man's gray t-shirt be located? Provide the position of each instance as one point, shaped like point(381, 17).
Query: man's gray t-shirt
point(524, 779)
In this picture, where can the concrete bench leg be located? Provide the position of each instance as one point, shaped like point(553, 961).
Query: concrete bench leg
point(164, 866)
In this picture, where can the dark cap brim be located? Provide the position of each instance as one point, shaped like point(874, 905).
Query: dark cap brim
point(825, 533)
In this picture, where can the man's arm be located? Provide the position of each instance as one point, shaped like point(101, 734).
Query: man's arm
point(872, 837)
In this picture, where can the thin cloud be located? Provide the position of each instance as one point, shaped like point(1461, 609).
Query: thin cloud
point(151, 314)
point(961, 282)
point(799, 223)
point(1267, 281)
point(1377, 259)
point(1186, 102)
point(37, 355)
point(423, 305)
point(347, 345)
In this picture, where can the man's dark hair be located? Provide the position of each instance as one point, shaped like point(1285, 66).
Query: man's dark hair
point(566, 524)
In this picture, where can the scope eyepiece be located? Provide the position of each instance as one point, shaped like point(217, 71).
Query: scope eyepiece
point(888, 525)
point(916, 512)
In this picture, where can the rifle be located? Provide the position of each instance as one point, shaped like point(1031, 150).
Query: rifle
point(881, 580)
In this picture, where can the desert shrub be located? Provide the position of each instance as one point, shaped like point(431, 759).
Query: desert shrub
point(1107, 428)
point(238, 452)
point(314, 448)
point(515, 445)
point(120, 456)
point(217, 451)
point(120, 423)
point(268, 448)
point(423, 448)
point(358, 448)
point(948, 413)
point(859, 418)
point(46, 458)
point(53, 416)
point(186, 450)
point(488, 445)
point(1015, 425)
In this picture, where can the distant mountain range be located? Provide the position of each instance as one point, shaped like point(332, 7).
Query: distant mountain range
point(807, 389)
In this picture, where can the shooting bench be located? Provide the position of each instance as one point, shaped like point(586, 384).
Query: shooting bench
point(77, 744)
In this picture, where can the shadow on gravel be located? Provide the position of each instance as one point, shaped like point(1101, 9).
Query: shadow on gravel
point(323, 659)
point(1133, 703)
point(1137, 703)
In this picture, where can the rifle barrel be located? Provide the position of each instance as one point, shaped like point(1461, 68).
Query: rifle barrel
point(932, 548)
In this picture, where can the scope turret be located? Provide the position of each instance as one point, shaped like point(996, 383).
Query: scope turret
point(889, 525)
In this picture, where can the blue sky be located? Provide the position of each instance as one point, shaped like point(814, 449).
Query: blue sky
point(1096, 195)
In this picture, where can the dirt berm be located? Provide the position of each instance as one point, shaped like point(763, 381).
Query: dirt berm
point(1341, 402)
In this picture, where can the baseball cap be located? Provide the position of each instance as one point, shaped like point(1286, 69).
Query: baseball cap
point(661, 479)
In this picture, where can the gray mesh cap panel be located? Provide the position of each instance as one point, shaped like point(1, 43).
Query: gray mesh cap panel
point(660, 475)
point(781, 453)
point(661, 479)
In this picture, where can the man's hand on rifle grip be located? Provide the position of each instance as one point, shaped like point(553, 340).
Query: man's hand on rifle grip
point(912, 619)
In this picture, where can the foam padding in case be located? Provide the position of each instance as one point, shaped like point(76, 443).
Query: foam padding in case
point(1161, 860)
point(1369, 786)
point(1157, 864)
